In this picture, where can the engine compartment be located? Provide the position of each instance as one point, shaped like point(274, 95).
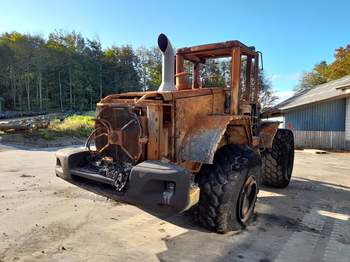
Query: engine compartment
point(118, 171)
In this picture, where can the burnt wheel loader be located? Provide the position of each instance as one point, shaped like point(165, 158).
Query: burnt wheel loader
point(186, 145)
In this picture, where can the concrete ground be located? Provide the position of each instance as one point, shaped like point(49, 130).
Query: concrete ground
point(43, 218)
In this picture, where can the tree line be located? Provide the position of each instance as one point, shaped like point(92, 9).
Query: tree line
point(323, 72)
point(67, 71)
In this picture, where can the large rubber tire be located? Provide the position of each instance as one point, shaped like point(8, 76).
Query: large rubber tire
point(278, 161)
point(221, 203)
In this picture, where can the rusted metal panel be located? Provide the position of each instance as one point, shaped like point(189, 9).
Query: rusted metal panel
point(239, 130)
point(181, 82)
point(190, 109)
point(237, 135)
point(155, 123)
point(248, 73)
point(134, 96)
point(154, 98)
point(118, 128)
point(235, 79)
point(256, 83)
point(201, 141)
point(219, 102)
point(214, 50)
point(196, 76)
point(268, 130)
point(197, 92)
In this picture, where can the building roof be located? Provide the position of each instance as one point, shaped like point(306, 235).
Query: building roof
point(332, 90)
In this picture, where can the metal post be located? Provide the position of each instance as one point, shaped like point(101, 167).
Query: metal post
point(235, 79)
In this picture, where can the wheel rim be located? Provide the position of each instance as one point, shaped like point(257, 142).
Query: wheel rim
point(247, 198)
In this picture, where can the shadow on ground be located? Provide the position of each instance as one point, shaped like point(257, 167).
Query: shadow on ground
point(279, 213)
point(4, 146)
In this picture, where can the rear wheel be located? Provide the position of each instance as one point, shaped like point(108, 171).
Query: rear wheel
point(278, 161)
point(229, 189)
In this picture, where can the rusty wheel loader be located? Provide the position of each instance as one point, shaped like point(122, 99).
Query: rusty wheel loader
point(185, 145)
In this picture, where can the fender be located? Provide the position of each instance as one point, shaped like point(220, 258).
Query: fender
point(267, 132)
point(207, 135)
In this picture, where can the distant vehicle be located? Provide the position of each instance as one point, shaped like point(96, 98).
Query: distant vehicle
point(186, 146)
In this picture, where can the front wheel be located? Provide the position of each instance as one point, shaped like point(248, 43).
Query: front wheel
point(229, 189)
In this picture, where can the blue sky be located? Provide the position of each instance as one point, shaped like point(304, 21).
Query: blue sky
point(293, 35)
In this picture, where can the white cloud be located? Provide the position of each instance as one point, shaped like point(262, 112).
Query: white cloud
point(285, 77)
point(283, 95)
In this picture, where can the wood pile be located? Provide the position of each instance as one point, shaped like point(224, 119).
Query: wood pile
point(28, 123)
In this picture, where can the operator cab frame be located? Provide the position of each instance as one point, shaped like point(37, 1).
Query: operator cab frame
point(239, 53)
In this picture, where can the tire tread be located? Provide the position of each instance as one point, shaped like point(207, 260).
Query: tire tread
point(218, 183)
point(273, 173)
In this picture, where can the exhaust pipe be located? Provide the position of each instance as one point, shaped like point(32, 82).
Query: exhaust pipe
point(168, 64)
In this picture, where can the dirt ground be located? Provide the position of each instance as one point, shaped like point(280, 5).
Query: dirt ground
point(43, 218)
point(34, 140)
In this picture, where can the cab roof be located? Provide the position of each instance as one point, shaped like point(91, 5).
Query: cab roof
point(217, 50)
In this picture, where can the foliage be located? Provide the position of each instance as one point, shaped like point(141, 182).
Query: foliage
point(149, 67)
point(267, 97)
point(216, 73)
point(64, 72)
point(67, 71)
point(323, 72)
point(310, 80)
point(73, 126)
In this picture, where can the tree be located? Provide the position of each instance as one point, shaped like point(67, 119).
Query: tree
point(6, 57)
point(67, 71)
point(341, 66)
point(149, 67)
point(95, 52)
point(267, 98)
point(323, 72)
point(213, 73)
point(310, 80)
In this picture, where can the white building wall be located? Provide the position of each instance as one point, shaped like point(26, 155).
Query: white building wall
point(347, 123)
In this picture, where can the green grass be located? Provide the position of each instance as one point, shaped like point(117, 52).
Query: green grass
point(73, 126)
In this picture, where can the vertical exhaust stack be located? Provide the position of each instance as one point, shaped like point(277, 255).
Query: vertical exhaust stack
point(168, 64)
